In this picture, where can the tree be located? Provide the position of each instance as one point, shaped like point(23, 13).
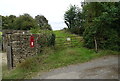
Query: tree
point(69, 16)
point(25, 22)
point(42, 22)
point(101, 24)
point(73, 18)
point(11, 20)
point(7, 22)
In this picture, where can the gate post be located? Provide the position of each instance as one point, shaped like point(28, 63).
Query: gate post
point(9, 53)
point(9, 57)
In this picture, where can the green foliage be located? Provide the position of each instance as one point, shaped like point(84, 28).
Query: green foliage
point(24, 22)
point(73, 19)
point(42, 22)
point(101, 22)
point(46, 27)
point(8, 22)
point(46, 37)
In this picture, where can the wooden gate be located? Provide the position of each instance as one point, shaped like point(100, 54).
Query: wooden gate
point(70, 41)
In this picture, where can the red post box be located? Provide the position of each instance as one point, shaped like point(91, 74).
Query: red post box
point(31, 41)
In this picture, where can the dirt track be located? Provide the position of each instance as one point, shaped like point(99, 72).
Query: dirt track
point(102, 68)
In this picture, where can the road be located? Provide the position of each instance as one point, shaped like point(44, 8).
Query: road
point(102, 68)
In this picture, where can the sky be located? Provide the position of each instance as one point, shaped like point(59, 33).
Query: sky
point(53, 10)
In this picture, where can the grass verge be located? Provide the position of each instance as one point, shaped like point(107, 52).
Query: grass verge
point(54, 59)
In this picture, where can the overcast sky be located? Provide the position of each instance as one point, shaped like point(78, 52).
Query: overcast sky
point(53, 10)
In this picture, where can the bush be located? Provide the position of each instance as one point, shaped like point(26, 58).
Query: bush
point(46, 38)
point(24, 22)
point(101, 23)
point(107, 39)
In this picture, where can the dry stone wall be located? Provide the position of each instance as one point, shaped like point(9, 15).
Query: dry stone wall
point(5, 37)
point(19, 40)
point(17, 45)
point(21, 49)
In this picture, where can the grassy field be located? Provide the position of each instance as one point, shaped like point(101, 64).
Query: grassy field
point(60, 33)
point(55, 58)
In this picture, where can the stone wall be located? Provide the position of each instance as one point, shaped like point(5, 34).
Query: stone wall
point(5, 35)
point(17, 45)
point(19, 40)
point(21, 49)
